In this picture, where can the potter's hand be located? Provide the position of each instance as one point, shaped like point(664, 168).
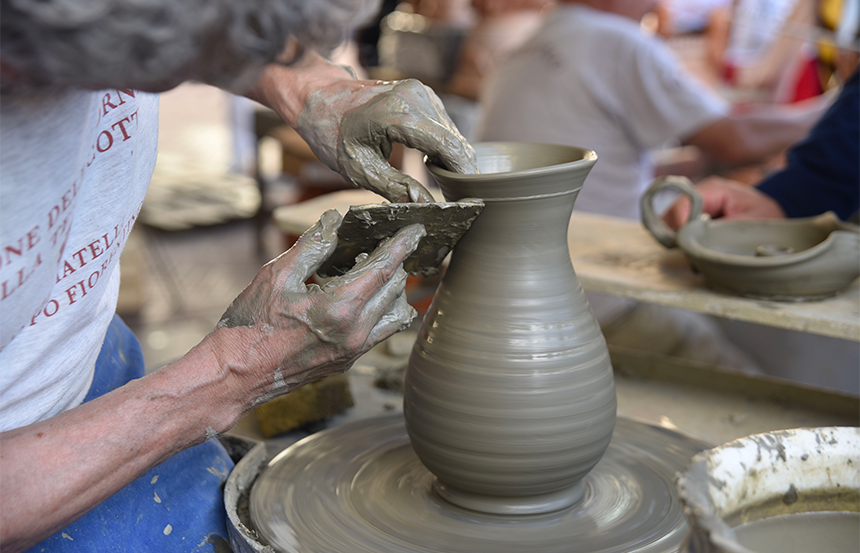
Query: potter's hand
point(728, 199)
point(350, 126)
point(281, 333)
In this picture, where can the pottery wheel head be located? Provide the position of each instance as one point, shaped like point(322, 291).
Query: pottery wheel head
point(359, 487)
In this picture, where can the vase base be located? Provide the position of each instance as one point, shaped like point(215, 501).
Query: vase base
point(530, 505)
point(359, 487)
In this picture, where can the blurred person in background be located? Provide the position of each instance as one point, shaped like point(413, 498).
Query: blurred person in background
point(502, 26)
point(821, 174)
point(590, 77)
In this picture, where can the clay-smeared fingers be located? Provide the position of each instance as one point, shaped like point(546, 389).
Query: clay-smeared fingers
point(382, 300)
point(373, 271)
point(428, 128)
point(398, 317)
point(310, 250)
point(385, 180)
point(351, 125)
point(408, 113)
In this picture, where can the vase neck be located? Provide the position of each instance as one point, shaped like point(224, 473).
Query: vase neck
point(536, 222)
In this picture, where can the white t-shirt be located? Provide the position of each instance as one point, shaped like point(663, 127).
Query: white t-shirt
point(74, 168)
point(591, 79)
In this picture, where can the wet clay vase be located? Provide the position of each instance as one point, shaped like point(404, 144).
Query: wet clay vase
point(802, 259)
point(509, 396)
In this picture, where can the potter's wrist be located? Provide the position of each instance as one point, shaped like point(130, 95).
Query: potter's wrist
point(285, 88)
point(214, 399)
point(249, 361)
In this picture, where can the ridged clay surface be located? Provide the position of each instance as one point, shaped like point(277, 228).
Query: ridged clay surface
point(509, 395)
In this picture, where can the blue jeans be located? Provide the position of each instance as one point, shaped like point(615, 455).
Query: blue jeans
point(175, 507)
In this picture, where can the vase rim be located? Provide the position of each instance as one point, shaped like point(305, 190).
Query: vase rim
point(584, 160)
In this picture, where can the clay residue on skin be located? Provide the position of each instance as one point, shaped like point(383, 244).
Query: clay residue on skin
point(325, 328)
point(247, 311)
point(351, 127)
point(279, 382)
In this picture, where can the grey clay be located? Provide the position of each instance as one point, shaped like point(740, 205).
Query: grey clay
point(509, 395)
point(775, 259)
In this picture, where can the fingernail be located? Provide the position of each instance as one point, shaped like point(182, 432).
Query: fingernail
point(325, 230)
point(361, 257)
point(330, 220)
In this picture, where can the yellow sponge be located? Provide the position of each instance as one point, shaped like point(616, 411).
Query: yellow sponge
point(305, 405)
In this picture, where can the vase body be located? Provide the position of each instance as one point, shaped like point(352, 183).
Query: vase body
point(509, 396)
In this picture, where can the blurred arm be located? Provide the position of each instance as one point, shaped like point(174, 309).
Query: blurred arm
point(762, 132)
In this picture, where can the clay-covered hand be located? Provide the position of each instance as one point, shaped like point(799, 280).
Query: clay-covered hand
point(281, 333)
point(351, 125)
point(728, 199)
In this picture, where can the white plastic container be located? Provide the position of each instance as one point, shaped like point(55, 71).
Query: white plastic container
point(767, 475)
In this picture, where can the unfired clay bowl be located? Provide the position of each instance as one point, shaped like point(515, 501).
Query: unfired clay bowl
point(767, 475)
point(776, 259)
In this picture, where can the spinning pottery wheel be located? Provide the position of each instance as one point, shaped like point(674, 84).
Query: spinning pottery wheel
point(359, 487)
point(509, 440)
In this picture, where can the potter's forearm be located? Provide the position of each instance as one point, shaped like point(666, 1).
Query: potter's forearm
point(54, 471)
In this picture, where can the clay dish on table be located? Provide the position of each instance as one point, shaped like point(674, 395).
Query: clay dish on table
point(775, 259)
